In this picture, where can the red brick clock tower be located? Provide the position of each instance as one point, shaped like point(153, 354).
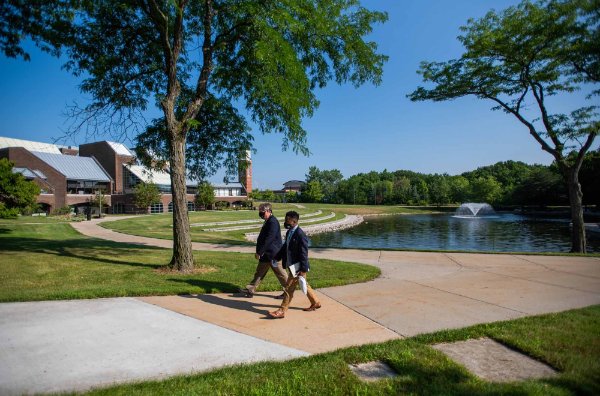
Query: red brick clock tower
point(245, 172)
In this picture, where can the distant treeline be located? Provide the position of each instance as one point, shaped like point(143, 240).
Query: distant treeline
point(504, 183)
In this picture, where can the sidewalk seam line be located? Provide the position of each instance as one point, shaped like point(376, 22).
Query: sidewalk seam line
point(470, 298)
point(361, 314)
point(533, 280)
point(552, 269)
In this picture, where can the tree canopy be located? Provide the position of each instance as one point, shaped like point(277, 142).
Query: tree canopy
point(16, 193)
point(206, 195)
point(146, 194)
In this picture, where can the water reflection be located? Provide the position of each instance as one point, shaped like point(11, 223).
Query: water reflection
point(503, 233)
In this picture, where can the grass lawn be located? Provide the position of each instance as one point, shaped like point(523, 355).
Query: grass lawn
point(376, 209)
point(51, 261)
point(160, 225)
point(567, 341)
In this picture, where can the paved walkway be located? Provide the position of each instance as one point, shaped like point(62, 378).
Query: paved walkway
point(73, 345)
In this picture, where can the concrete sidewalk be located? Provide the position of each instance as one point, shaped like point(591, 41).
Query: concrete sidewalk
point(73, 345)
point(58, 346)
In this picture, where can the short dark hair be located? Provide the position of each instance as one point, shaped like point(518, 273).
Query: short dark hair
point(292, 214)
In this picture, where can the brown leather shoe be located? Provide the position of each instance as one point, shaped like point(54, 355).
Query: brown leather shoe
point(313, 307)
point(279, 314)
point(246, 293)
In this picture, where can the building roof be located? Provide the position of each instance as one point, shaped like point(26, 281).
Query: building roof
point(74, 167)
point(290, 183)
point(161, 178)
point(120, 148)
point(29, 145)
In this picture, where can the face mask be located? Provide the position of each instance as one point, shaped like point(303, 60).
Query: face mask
point(287, 225)
point(261, 215)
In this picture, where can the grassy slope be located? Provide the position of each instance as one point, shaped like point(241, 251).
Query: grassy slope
point(52, 261)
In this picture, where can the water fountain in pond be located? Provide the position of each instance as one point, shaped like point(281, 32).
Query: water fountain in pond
point(471, 209)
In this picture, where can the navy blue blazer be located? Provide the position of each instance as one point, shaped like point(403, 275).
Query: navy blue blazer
point(269, 239)
point(298, 250)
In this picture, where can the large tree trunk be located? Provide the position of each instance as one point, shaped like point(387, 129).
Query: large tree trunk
point(575, 199)
point(182, 259)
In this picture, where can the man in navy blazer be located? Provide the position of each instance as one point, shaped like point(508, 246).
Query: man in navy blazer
point(267, 246)
point(294, 253)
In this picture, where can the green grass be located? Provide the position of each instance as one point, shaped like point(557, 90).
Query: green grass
point(567, 341)
point(52, 261)
point(375, 209)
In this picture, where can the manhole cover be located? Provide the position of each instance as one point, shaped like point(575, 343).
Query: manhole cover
point(493, 361)
point(372, 371)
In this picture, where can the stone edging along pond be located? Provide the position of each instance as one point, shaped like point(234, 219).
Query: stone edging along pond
point(347, 222)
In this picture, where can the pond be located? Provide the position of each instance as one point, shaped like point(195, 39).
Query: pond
point(501, 233)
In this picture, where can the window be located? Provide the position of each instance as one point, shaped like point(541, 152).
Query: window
point(170, 207)
point(191, 207)
point(129, 179)
point(156, 208)
point(231, 192)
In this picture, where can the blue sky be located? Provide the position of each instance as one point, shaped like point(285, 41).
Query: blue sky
point(354, 130)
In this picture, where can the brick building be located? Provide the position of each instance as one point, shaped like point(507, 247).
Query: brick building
point(70, 176)
point(65, 180)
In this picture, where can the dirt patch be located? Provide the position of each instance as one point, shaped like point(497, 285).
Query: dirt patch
point(493, 361)
point(205, 269)
point(373, 371)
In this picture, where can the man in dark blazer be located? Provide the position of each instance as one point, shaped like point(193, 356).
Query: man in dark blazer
point(294, 254)
point(267, 246)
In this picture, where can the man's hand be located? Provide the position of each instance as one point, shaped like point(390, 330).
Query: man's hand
point(257, 256)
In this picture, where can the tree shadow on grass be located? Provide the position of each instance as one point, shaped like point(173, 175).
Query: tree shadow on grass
point(97, 250)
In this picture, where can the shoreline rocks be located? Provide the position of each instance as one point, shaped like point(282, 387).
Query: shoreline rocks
point(347, 222)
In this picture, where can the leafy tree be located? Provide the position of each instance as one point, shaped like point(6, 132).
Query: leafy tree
point(313, 192)
point(206, 195)
point(520, 57)
point(421, 196)
point(508, 173)
point(485, 189)
point(16, 193)
point(265, 195)
point(387, 189)
point(541, 187)
point(402, 190)
point(266, 56)
point(291, 196)
point(459, 189)
point(329, 181)
point(146, 194)
point(439, 190)
point(99, 200)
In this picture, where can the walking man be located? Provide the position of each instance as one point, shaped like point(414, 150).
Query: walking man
point(267, 246)
point(294, 253)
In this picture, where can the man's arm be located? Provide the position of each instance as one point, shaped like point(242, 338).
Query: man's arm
point(303, 252)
